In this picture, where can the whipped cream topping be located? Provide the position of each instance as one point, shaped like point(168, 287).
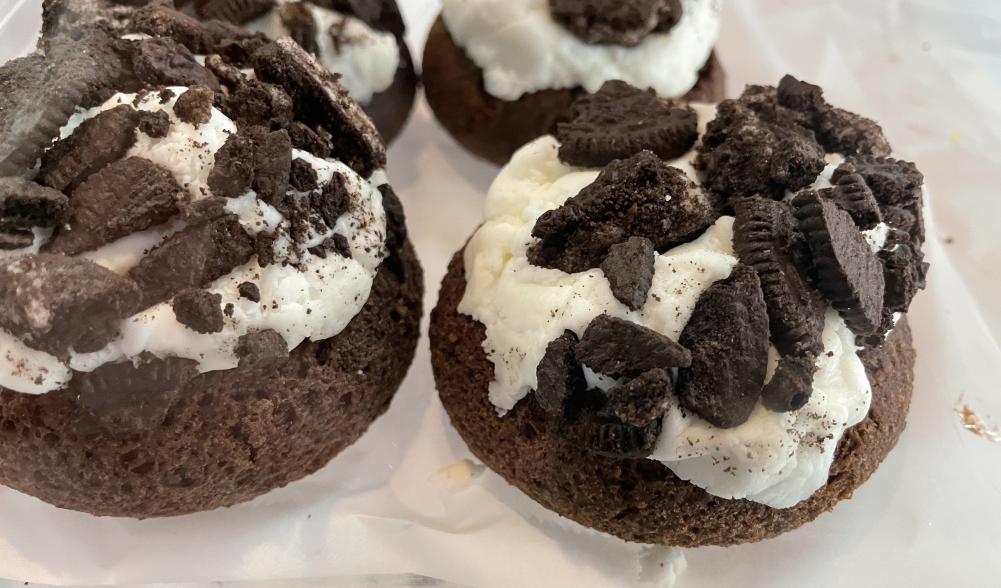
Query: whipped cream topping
point(314, 299)
point(522, 49)
point(777, 459)
point(365, 58)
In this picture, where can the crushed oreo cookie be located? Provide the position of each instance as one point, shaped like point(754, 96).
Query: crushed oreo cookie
point(16, 239)
point(852, 194)
point(165, 62)
point(558, 375)
point(893, 182)
point(97, 142)
point(643, 399)
point(336, 243)
point(57, 303)
point(840, 131)
point(333, 200)
point(629, 270)
point(127, 196)
point(272, 164)
point(590, 424)
point(847, 271)
point(250, 291)
point(135, 396)
point(316, 141)
point(302, 176)
point(256, 103)
point(265, 349)
point(154, 124)
point(233, 172)
point(194, 106)
point(25, 205)
point(199, 310)
point(238, 11)
point(791, 385)
point(619, 348)
point(728, 339)
point(904, 272)
point(396, 221)
point(764, 238)
point(298, 20)
point(616, 22)
point(619, 121)
point(628, 199)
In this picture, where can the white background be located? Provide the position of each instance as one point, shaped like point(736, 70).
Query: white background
point(930, 72)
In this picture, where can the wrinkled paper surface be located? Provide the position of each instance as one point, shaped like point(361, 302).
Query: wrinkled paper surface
point(402, 502)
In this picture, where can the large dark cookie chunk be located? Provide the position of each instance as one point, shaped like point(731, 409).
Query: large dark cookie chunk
point(619, 121)
point(97, 142)
point(630, 198)
point(904, 271)
point(629, 269)
point(896, 185)
point(558, 375)
point(728, 339)
point(25, 205)
point(199, 310)
point(319, 99)
point(56, 303)
point(765, 239)
point(164, 61)
point(852, 194)
point(846, 270)
point(620, 348)
point(127, 196)
point(616, 22)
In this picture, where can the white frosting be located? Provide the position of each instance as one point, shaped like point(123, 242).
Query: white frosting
point(367, 59)
point(313, 298)
point(521, 49)
point(778, 459)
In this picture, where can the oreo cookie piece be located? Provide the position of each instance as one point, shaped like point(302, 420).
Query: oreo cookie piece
point(199, 310)
point(904, 271)
point(336, 243)
point(620, 348)
point(257, 103)
point(316, 141)
point(298, 20)
point(194, 106)
point(154, 124)
point(25, 204)
point(615, 22)
point(903, 219)
point(396, 220)
point(134, 396)
point(893, 182)
point(628, 199)
point(127, 196)
point(791, 385)
point(643, 399)
point(302, 176)
point(97, 142)
point(847, 271)
point(558, 375)
point(764, 238)
point(233, 172)
point(852, 194)
point(57, 303)
point(728, 339)
point(237, 11)
point(840, 131)
point(159, 19)
point(192, 258)
point(319, 99)
point(629, 271)
point(265, 349)
point(16, 239)
point(250, 291)
point(272, 164)
point(590, 424)
point(161, 61)
point(619, 121)
point(799, 95)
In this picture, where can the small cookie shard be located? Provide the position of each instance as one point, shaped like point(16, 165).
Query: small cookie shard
point(799, 95)
point(127, 196)
point(165, 62)
point(852, 194)
point(629, 198)
point(791, 385)
point(302, 176)
point(728, 339)
point(904, 271)
point(297, 18)
point(97, 142)
point(192, 258)
point(199, 310)
point(316, 141)
point(238, 11)
point(847, 271)
point(396, 220)
point(262, 349)
point(257, 103)
point(194, 106)
point(333, 199)
point(643, 399)
point(619, 121)
point(319, 99)
point(558, 375)
point(619, 348)
point(629, 270)
point(154, 124)
point(250, 291)
point(616, 22)
point(906, 221)
point(840, 131)
point(272, 164)
point(56, 303)
point(132, 397)
point(763, 237)
point(336, 243)
point(591, 425)
point(25, 204)
point(233, 172)
point(893, 182)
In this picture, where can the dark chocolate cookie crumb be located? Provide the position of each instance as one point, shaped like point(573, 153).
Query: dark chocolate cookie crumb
point(791, 385)
point(298, 20)
point(903, 219)
point(131, 397)
point(847, 271)
point(629, 198)
point(904, 271)
point(396, 221)
point(272, 164)
point(127, 196)
point(16, 239)
point(840, 131)
point(852, 195)
point(199, 310)
point(558, 375)
point(94, 144)
point(57, 303)
point(893, 182)
point(318, 141)
point(616, 22)
point(257, 103)
point(728, 339)
point(194, 106)
point(161, 61)
point(238, 11)
point(764, 238)
point(643, 399)
point(590, 424)
point(619, 121)
point(25, 204)
point(799, 95)
point(629, 270)
point(154, 124)
point(617, 348)
point(262, 349)
point(233, 172)
point(302, 176)
point(333, 200)
point(250, 291)
point(336, 243)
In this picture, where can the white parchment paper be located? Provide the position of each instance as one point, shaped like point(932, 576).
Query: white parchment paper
point(396, 503)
